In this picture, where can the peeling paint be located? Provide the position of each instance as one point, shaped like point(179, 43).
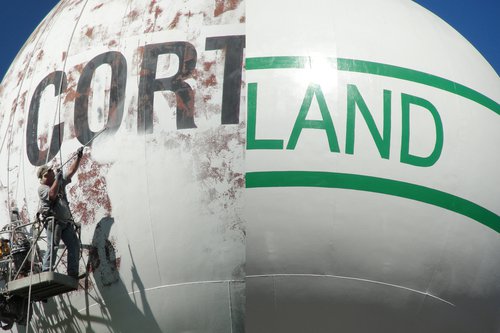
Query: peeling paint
point(133, 15)
point(210, 81)
point(207, 65)
point(222, 6)
point(175, 21)
point(71, 95)
point(207, 98)
point(20, 77)
point(90, 31)
point(209, 157)
point(43, 140)
point(158, 11)
point(151, 6)
point(97, 7)
point(40, 55)
point(90, 192)
point(22, 101)
point(149, 26)
point(137, 59)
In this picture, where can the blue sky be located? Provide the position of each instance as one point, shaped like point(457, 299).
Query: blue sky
point(477, 20)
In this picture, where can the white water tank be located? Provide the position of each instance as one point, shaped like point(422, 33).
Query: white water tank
point(274, 166)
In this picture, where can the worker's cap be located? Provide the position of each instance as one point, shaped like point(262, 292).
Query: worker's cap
point(42, 171)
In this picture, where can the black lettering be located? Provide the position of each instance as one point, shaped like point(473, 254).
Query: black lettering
point(36, 156)
point(118, 65)
point(233, 66)
point(149, 84)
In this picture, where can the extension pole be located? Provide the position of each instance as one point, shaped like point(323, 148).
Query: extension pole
point(85, 145)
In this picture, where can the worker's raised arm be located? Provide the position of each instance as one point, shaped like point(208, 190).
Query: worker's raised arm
point(76, 163)
point(54, 188)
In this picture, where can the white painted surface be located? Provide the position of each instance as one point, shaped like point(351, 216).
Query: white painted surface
point(186, 242)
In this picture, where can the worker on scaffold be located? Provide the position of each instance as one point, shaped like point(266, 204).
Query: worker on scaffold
point(54, 203)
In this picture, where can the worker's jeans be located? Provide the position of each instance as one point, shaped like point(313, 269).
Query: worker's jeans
point(66, 232)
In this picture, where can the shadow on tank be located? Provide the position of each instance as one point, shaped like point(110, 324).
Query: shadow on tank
point(118, 311)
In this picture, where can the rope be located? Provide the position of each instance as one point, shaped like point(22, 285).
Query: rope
point(29, 252)
point(31, 282)
point(9, 136)
point(64, 68)
point(39, 37)
point(9, 131)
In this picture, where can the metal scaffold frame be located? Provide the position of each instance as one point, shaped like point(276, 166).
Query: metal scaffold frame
point(22, 281)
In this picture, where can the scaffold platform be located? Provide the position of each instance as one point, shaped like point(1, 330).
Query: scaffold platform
point(43, 285)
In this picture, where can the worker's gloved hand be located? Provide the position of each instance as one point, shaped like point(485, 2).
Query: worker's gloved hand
point(79, 152)
point(59, 175)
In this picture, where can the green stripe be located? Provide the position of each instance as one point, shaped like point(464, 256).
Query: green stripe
point(377, 185)
point(368, 67)
point(276, 62)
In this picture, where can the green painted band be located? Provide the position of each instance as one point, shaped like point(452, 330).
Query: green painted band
point(368, 67)
point(277, 62)
point(377, 185)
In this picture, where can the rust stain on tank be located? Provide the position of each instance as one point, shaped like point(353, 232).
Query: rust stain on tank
point(151, 6)
point(78, 68)
point(71, 95)
point(138, 57)
point(75, 2)
point(42, 140)
point(20, 76)
point(158, 11)
point(133, 15)
point(222, 6)
point(97, 7)
point(187, 106)
point(112, 43)
point(63, 56)
point(22, 101)
point(89, 32)
point(40, 55)
point(207, 65)
point(242, 19)
point(175, 21)
point(90, 191)
point(210, 81)
point(13, 108)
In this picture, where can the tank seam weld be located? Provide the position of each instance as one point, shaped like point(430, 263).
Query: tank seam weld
point(354, 279)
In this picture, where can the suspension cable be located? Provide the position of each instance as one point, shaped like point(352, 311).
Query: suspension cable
point(33, 248)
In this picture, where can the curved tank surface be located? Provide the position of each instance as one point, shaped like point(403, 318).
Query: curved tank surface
point(262, 166)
